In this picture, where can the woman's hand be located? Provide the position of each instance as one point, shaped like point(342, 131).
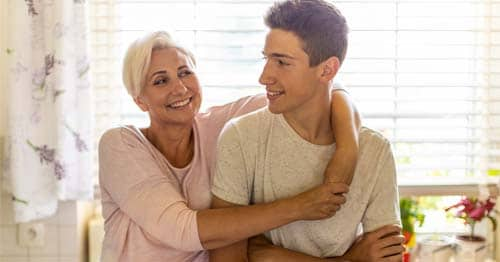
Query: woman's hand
point(318, 203)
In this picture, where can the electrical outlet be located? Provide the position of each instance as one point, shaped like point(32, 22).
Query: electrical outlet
point(31, 234)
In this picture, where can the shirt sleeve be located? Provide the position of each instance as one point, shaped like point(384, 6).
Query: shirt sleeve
point(383, 206)
point(133, 178)
point(231, 182)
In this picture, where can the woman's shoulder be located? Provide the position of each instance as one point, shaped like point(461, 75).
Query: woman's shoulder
point(123, 135)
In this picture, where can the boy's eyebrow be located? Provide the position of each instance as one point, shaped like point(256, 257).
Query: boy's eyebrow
point(278, 55)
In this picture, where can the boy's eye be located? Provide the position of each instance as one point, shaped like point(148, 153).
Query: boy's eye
point(185, 73)
point(282, 63)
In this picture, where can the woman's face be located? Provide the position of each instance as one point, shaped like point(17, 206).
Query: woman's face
point(171, 93)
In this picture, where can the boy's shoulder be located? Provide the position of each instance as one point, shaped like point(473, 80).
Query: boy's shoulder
point(373, 145)
point(249, 127)
point(253, 120)
point(370, 136)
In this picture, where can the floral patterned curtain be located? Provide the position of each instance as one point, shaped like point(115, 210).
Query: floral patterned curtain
point(48, 152)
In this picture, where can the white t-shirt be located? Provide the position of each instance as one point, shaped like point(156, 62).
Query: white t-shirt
point(260, 158)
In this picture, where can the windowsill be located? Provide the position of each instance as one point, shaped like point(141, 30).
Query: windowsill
point(435, 186)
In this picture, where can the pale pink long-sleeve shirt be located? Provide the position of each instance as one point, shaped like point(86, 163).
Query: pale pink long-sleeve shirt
point(149, 206)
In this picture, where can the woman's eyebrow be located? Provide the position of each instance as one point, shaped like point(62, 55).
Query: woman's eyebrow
point(157, 73)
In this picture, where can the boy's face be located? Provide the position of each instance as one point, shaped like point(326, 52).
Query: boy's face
point(291, 84)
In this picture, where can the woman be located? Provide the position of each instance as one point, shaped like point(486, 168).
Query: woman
point(155, 181)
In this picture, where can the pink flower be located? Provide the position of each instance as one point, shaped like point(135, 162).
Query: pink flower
point(472, 210)
point(478, 213)
point(466, 204)
point(490, 204)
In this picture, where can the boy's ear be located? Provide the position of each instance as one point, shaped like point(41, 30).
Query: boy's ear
point(329, 69)
point(141, 104)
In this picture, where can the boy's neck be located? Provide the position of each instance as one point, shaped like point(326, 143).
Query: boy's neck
point(312, 121)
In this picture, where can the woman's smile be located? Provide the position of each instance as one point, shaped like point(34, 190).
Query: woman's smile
point(180, 104)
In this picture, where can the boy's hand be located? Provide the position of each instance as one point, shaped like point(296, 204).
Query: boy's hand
point(384, 244)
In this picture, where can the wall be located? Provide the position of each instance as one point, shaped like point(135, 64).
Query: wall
point(60, 236)
point(61, 240)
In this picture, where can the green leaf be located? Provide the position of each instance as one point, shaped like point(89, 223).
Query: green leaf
point(410, 214)
point(493, 222)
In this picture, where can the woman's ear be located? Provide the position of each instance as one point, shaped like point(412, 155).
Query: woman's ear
point(329, 69)
point(141, 104)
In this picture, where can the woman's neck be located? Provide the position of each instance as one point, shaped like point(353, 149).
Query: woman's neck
point(176, 143)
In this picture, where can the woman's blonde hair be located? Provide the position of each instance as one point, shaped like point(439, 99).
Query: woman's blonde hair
point(138, 58)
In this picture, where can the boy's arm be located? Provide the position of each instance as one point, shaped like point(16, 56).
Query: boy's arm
point(260, 249)
point(346, 124)
point(382, 245)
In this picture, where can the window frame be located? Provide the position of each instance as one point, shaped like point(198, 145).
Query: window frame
point(464, 187)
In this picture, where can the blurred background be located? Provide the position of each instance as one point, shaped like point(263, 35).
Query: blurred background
point(424, 73)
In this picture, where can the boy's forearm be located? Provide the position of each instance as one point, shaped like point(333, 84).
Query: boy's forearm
point(269, 252)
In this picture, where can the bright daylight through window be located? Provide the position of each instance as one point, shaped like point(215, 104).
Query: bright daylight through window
point(424, 73)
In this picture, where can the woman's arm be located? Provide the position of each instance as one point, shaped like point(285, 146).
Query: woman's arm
point(151, 199)
point(237, 251)
point(231, 188)
point(346, 124)
point(143, 192)
point(223, 113)
point(345, 121)
point(228, 223)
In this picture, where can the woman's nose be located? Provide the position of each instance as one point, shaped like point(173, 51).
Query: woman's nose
point(180, 87)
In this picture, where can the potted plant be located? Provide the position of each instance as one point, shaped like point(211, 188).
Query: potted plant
point(471, 210)
point(410, 215)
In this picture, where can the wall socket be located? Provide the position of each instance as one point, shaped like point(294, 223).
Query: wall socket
point(31, 234)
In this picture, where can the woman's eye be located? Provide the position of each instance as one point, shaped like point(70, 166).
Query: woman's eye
point(160, 81)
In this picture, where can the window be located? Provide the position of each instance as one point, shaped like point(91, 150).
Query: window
point(424, 73)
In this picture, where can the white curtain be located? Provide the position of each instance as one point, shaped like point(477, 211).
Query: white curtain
point(48, 147)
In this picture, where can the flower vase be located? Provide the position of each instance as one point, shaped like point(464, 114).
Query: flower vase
point(436, 248)
point(470, 249)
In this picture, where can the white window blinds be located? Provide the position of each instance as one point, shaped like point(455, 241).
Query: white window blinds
point(424, 73)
